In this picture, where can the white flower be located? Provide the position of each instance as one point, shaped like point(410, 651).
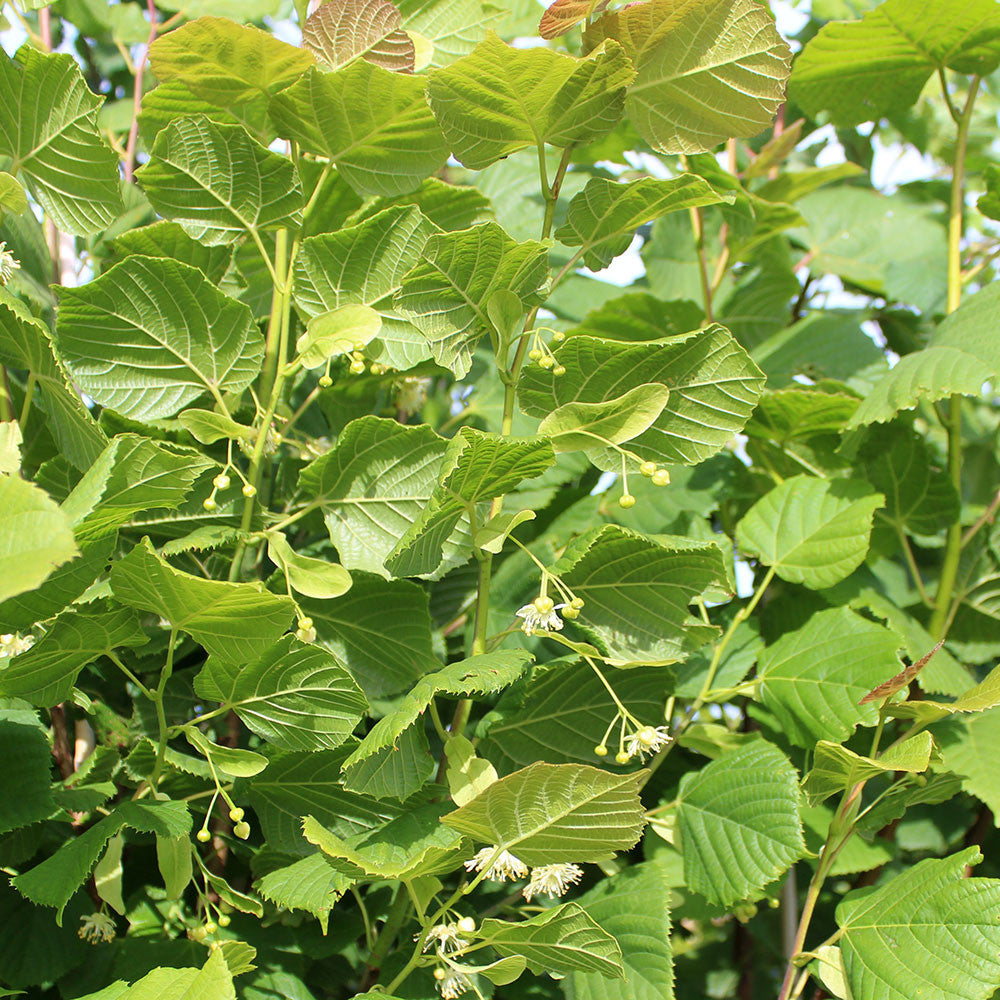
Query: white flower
point(446, 939)
point(12, 644)
point(411, 394)
point(454, 985)
point(8, 264)
point(647, 741)
point(306, 634)
point(552, 880)
point(540, 616)
point(506, 866)
point(97, 928)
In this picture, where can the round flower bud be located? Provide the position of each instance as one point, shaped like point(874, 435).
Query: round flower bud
point(535, 354)
point(648, 468)
point(209, 503)
point(543, 605)
point(236, 814)
point(305, 624)
point(622, 758)
point(198, 934)
point(601, 751)
point(357, 367)
point(547, 361)
point(467, 925)
point(661, 477)
point(359, 347)
point(221, 481)
point(325, 381)
point(559, 370)
point(571, 612)
point(249, 490)
point(224, 920)
point(626, 500)
point(558, 336)
point(375, 368)
point(210, 927)
point(577, 603)
point(203, 835)
point(440, 974)
point(242, 830)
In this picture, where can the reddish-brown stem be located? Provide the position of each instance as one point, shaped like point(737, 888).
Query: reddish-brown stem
point(140, 72)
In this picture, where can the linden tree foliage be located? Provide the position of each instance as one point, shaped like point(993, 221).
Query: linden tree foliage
point(498, 500)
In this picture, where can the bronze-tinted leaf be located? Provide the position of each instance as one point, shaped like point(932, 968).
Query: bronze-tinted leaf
point(342, 30)
point(565, 14)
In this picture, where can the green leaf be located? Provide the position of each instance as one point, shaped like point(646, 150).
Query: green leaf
point(706, 70)
point(811, 531)
point(295, 696)
point(492, 535)
point(967, 329)
point(308, 783)
point(37, 536)
point(44, 675)
point(307, 575)
point(207, 427)
point(554, 813)
point(924, 933)
point(445, 295)
point(168, 239)
point(985, 695)
point(218, 183)
point(230, 761)
point(364, 265)
point(563, 712)
point(312, 884)
point(338, 33)
point(593, 426)
point(452, 27)
point(12, 196)
point(48, 126)
point(236, 621)
point(480, 674)
point(563, 939)
point(713, 384)
point(500, 99)
point(919, 497)
point(636, 593)
point(924, 376)
point(836, 769)
point(173, 858)
point(336, 333)
point(373, 124)
point(213, 982)
point(373, 485)
point(477, 467)
point(562, 15)
point(604, 216)
point(54, 881)
point(888, 246)
point(738, 819)
point(26, 344)
point(877, 67)
point(395, 772)
point(28, 769)
point(225, 63)
point(131, 475)
point(385, 651)
point(813, 678)
point(415, 843)
point(108, 875)
point(969, 746)
point(634, 907)
point(170, 102)
point(151, 335)
point(467, 774)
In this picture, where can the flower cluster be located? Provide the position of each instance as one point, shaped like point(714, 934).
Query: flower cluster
point(552, 880)
point(13, 643)
point(97, 928)
point(504, 866)
point(8, 264)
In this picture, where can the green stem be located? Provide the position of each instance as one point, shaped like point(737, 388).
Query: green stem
point(953, 545)
point(390, 929)
point(161, 716)
point(29, 392)
point(132, 677)
point(911, 562)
